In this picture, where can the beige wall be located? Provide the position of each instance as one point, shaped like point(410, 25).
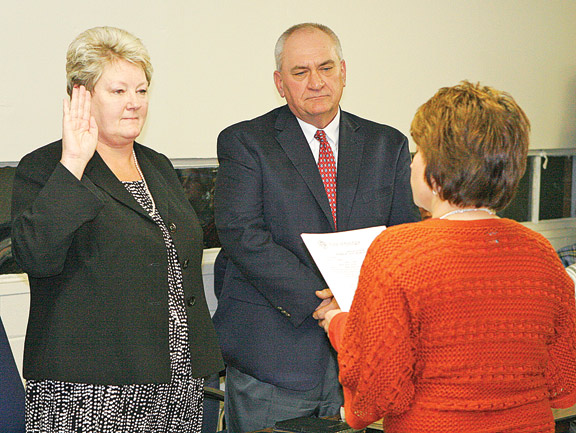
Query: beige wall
point(213, 61)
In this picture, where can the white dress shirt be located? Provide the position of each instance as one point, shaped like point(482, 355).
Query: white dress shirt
point(332, 131)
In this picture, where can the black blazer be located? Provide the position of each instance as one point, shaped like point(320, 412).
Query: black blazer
point(97, 266)
point(268, 192)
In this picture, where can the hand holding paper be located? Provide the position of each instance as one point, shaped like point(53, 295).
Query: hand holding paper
point(339, 257)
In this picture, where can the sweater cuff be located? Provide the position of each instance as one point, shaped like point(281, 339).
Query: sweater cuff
point(563, 402)
point(336, 329)
point(351, 419)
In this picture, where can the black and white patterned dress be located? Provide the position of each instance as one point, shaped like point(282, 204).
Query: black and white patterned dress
point(61, 407)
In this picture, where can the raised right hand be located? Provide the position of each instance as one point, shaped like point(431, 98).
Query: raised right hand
point(79, 132)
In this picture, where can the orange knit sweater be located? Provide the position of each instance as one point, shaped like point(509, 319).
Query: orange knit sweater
point(459, 326)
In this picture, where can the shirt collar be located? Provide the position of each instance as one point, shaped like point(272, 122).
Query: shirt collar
point(332, 130)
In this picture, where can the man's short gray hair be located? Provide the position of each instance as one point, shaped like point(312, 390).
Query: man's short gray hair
point(279, 49)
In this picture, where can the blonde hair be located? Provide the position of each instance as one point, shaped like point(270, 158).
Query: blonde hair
point(95, 48)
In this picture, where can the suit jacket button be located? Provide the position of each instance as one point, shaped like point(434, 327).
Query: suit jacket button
point(172, 227)
point(191, 301)
point(185, 264)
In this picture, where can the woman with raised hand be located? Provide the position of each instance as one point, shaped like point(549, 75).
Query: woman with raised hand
point(119, 335)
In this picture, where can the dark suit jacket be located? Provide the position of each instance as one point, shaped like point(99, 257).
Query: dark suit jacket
point(268, 192)
point(97, 266)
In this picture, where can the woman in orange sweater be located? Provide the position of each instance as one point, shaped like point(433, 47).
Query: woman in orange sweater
point(464, 322)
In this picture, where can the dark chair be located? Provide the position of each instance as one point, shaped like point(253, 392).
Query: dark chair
point(213, 412)
point(213, 420)
point(566, 425)
point(11, 389)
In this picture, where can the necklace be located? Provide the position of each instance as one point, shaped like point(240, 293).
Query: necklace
point(145, 184)
point(480, 209)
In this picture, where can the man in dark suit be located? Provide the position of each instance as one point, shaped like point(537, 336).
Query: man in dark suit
point(269, 190)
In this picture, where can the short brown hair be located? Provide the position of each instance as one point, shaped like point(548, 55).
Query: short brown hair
point(474, 140)
point(94, 48)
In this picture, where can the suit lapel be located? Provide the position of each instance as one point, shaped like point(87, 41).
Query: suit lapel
point(293, 141)
point(350, 150)
point(100, 175)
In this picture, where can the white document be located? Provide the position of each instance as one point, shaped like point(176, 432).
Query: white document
point(339, 257)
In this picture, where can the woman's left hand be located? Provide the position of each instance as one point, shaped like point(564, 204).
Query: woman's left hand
point(325, 323)
point(328, 303)
point(327, 309)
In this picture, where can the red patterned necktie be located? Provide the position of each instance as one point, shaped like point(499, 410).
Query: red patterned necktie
point(327, 168)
